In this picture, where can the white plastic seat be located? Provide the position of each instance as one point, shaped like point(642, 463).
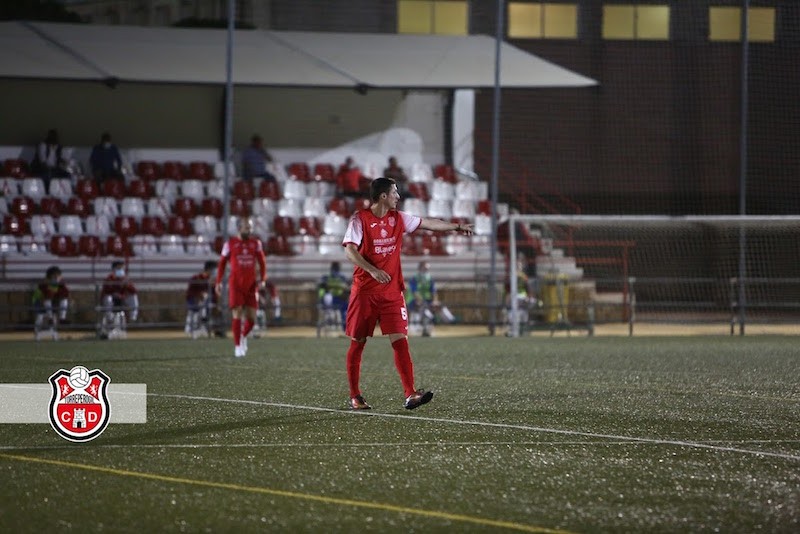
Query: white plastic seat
point(33, 188)
point(61, 188)
point(482, 189)
point(132, 207)
point(70, 225)
point(167, 189)
point(172, 245)
point(9, 187)
point(106, 206)
point(441, 209)
point(441, 190)
point(219, 170)
point(294, 189)
point(42, 226)
point(205, 225)
point(215, 189)
point(261, 226)
point(421, 172)
point(193, 189)
point(199, 245)
point(98, 225)
point(464, 209)
point(303, 244)
point(334, 225)
point(456, 244)
point(233, 222)
point(3, 206)
point(8, 244)
point(264, 207)
point(323, 190)
point(483, 225)
point(290, 207)
point(330, 244)
point(30, 245)
point(466, 190)
point(159, 207)
point(415, 206)
point(144, 245)
point(315, 207)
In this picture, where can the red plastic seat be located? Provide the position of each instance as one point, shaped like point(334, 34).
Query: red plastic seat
point(141, 188)
point(114, 189)
point(484, 207)
point(310, 226)
point(148, 170)
point(16, 168)
point(324, 172)
point(419, 190)
point(153, 226)
point(51, 206)
point(173, 170)
point(77, 206)
point(177, 225)
point(63, 245)
point(361, 204)
point(22, 207)
point(239, 207)
point(117, 245)
point(89, 245)
point(445, 172)
point(339, 207)
point(278, 245)
point(284, 226)
point(87, 189)
point(185, 207)
point(244, 190)
point(299, 171)
point(410, 246)
point(270, 190)
point(200, 170)
point(125, 226)
point(15, 225)
point(212, 206)
point(432, 245)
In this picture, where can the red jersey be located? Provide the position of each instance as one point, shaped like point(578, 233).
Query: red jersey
point(198, 286)
point(379, 240)
point(117, 287)
point(243, 254)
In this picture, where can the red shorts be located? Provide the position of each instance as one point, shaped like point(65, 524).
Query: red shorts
point(239, 297)
point(365, 310)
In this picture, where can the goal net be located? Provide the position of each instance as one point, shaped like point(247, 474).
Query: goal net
point(578, 271)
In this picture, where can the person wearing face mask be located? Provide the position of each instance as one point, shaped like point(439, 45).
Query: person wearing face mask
point(423, 301)
point(199, 302)
point(105, 160)
point(244, 253)
point(50, 303)
point(119, 301)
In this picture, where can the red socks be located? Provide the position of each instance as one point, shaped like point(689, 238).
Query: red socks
point(402, 360)
point(248, 326)
point(236, 327)
point(354, 366)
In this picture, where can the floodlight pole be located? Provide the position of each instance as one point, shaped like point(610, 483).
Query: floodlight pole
point(495, 169)
point(744, 37)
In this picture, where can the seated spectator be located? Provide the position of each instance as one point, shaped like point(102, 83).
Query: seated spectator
point(268, 297)
point(105, 160)
point(528, 305)
point(119, 300)
point(348, 179)
point(48, 161)
point(423, 300)
point(333, 292)
point(396, 173)
point(255, 160)
point(199, 296)
point(49, 294)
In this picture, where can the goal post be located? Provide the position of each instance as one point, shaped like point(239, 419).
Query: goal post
point(593, 269)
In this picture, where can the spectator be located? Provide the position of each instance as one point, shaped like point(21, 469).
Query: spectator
point(334, 291)
point(255, 160)
point(423, 300)
point(268, 296)
point(118, 296)
point(348, 179)
point(199, 301)
point(244, 252)
point(49, 162)
point(49, 293)
point(373, 243)
point(396, 173)
point(105, 160)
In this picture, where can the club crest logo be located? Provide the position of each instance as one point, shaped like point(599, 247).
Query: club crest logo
point(79, 409)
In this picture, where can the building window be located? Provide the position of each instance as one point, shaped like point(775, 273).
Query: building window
point(725, 24)
point(442, 17)
point(643, 22)
point(528, 20)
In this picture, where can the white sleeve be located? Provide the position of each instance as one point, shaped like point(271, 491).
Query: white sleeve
point(355, 231)
point(226, 249)
point(411, 222)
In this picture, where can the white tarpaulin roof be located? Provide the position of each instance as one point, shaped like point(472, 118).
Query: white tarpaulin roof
point(268, 58)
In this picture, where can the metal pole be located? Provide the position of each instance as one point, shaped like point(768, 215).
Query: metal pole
point(228, 134)
point(513, 287)
point(743, 164)
point(495, 169)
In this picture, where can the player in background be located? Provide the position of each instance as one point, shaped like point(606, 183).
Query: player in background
point(244, 253)
point(119, 293)
point(372, 243)
point(198, 301)
point(333, 291)
point(51, 291)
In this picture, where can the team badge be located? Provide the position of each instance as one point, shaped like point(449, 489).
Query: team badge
point(392, 222)
point(79, 409)
point(384, 233)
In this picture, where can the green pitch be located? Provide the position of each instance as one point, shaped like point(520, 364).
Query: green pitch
point(536, 435)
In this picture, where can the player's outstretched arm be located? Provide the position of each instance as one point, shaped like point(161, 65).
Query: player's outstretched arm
point(352, 254)
point(438, 225)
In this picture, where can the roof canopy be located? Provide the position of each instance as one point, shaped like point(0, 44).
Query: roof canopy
point(268, 58)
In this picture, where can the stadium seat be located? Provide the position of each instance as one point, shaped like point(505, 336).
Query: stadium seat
point(185, 207)
point(77, 206)
point(334, 224)
point(483, 224)
point(270, 190)
point(290, 207)
point(132, 207)
point(149, 171)
point(361, 204)
point(98, 225)
point(114, 189)
point(233, 220)
point(432, 245)
point(215, 188)
point(63, 245)
point(464, 209)
point(440, 209)
point(158, 207)
point(283, 225)
point(484, 207)
point(144, 245)
point(193, 189)
point(278, 245)
point(329, 244)
point(61, 188)
point(410, 245)
point(420, 173)
point(415, 206)
point(3, 206)
point(22, 207)
point(33, 188)
point(106, 206)
point(200, 170)
point(141, 188)
point(9, 187)
point(310, 226)
point(239, 207)
point(261, 226)
point(8, 244)
point(51, 206)
point(125, 226)
point(339, 207)
point(15, 225)
point(117, 245)
point(244, 190)
point(467, 190)
point(212, 206)
point(173, 170)
point(324, 172)
point(314, 207)
point(294, 189)
point(264, 207)
point(323, 190)
point(29, 245)
point(172, 245)
point(179, 226)
point(153, 225)
point(87, 189)
point(219, 170)
point(42, 226)
point(16, 168)
point(199, 245)
point(445, 173)
point(456, 244)
point(419, 190)
point(70, 225)
point(299, 171)
point(167, 189)
point(441, 190)
point(89, 245)
point(205, 225)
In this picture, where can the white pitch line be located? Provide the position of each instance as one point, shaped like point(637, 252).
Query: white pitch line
point(563, 432)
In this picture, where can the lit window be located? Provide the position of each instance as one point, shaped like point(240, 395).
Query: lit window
point(627, 21)
point(445, 17)
point(725, 24)
point(535, 19)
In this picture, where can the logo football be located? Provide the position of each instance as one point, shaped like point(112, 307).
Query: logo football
point(79, 408)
